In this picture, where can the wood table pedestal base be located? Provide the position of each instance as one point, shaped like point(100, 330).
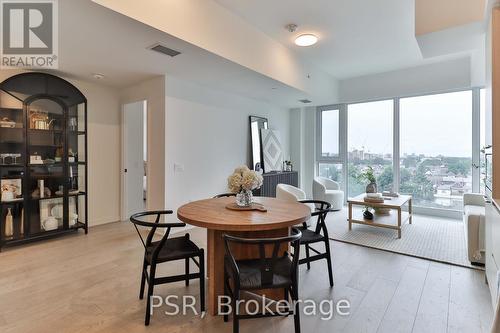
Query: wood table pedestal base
point(215, 260)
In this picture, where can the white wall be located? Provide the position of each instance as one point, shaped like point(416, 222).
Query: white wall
point(104, 148)
point(303, 148)
point(208, 135)
point(442, 76)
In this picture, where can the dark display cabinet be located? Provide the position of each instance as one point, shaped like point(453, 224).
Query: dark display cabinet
point(43, 158)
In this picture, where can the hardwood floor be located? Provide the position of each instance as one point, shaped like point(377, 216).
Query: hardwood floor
point(91, 284)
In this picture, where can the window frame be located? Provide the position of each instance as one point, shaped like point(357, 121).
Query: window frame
point(342, 158)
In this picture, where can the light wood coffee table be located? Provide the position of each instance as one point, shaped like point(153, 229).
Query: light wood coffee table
point(383, 221)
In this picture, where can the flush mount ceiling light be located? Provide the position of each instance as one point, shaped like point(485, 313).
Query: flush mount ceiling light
point(306, 40)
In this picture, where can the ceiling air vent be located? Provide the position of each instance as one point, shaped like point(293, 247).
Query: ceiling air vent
point(164, 50)
point(305, 101)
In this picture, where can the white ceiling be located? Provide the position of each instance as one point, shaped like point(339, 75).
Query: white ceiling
point(93, 39)
point(357, 37)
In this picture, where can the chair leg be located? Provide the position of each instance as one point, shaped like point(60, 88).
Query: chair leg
point(296, 315)
point(187, 270)
point(143, 278)
point(226, 293)
point(329, 262)
point(202, 280)
point(236, 320)
point(307, 256)
point(151, 285)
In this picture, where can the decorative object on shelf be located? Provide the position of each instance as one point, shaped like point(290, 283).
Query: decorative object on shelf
point(9, 158)
point(287, 166)
point(390, 194)
point(59, 154)
point(36, 159)
point(57, 211)
point(7, 123)
point(71, 156)
point(72, 209)
point(374, 198)
point(73, 124)
point(367, 214)
point(368, 175)
point(11, 189)
point(41, 188)
point(9, 223)
point(51, 208)
point(243, 181)
point(272, 151)
point(258, 168)
point(50, 223)
point(377, 198)
point(40, 120)
point(256, 125)
point(49, 161)
point(41, 192)
point(73, 219)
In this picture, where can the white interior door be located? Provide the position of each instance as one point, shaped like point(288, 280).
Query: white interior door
point(133, 159)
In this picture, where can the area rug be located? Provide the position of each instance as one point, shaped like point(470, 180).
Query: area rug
point(434, 238)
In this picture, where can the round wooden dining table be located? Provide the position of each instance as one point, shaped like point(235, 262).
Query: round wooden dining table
point(213, 215)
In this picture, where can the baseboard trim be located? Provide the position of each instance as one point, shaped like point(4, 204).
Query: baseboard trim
point(103, 220)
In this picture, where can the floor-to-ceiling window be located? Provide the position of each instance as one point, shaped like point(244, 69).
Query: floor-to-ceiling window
point(330, 161)
point(369, 144)
point(427, 146)
point(436, 149)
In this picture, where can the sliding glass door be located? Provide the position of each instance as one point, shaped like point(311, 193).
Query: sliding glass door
point(436, 149)
point(370, 144)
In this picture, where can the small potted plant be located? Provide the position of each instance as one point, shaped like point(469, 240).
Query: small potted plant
point(242, 182)
point(369, 176)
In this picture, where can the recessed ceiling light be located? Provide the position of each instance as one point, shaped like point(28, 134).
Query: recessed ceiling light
point(306, 40)
point(98, 76)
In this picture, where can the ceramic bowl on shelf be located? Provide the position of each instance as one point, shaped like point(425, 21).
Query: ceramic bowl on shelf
point(50, 223)
point(57, 211)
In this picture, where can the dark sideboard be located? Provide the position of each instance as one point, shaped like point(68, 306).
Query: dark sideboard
point(272, 179)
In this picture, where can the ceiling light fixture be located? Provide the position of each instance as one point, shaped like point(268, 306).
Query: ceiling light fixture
point(306, 40)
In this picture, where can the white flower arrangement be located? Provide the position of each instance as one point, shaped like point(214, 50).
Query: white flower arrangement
point(244, 179)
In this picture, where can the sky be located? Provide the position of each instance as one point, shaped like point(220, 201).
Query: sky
point(431, 125)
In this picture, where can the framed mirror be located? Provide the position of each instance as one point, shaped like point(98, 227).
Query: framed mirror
point(256, 124)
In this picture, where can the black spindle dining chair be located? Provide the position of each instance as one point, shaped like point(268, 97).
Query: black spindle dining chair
point(164, 250)
point(318, 235)
point(278, 271)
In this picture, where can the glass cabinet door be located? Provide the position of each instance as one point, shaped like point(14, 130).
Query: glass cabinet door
point(12, 151)
point(77, 165)
point(47, 175)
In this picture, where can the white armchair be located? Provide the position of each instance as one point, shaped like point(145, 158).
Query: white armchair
point(325, 189)
point(289, 193)
point(292, 193)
